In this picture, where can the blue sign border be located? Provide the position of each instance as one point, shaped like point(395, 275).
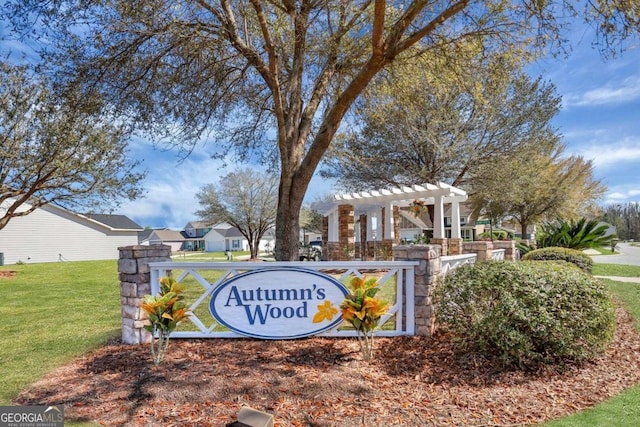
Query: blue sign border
point(230, 281)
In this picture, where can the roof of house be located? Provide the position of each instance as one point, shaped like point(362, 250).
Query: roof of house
point(229, 232)
point(197, 225)
point(167, 235)
point(144, 234)
point(120, 222)
point(226, 230)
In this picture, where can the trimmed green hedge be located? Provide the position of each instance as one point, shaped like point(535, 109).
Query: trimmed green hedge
point(526, 314)
point(573, 256)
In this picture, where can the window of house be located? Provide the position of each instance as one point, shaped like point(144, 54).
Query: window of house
point(448, 222)
point(235, 244)
point(465, 234)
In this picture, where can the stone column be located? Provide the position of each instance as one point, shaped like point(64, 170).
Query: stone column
point(443, 242)
point(346, 223)
point(484, 249)
point(325, 231)
point(510, 253)
point(426, 278)
point(455, 246)
point(135, 283)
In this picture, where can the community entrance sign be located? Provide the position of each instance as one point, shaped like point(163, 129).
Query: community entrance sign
point(279, 303)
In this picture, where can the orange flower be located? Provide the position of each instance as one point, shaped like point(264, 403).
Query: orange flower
point(326, 311)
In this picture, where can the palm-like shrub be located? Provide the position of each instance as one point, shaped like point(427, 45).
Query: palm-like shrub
point(572, 234)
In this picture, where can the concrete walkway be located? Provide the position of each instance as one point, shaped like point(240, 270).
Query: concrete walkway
point(627, 254)
point(621, 279)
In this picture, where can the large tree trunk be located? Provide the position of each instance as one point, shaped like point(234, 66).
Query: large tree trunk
point(290, 196)
point(523, 229)
point(253, 248)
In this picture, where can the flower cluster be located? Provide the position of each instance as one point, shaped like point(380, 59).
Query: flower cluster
point(363, 310)
point(417, 207)
point(164, 312)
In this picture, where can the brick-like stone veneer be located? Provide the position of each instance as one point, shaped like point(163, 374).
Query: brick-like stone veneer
point(484, 249)
point(346, 232)
point(135, 283)
point(455, 246)
point(426, 278)
point(443, 242)
point(510, 253)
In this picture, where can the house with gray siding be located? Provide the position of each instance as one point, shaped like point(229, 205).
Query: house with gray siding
point(163, 236)
point(51, 234)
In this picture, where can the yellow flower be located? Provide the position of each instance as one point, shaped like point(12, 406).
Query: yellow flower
point(357, 283)
point(348, 313)
point(326, 311)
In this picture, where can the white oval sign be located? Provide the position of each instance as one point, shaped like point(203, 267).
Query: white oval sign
point(279, 303)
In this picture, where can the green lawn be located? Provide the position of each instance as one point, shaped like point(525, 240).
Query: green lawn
point(616, 270)
point(624, 409)
point(52, 313)
point(55, 312)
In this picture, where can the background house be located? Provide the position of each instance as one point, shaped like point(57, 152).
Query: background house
point(163, 236)
point(194, 233)
point(224, 237)
point(51, 234)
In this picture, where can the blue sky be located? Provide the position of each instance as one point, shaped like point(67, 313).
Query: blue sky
point(600, 116)
point(600, 120)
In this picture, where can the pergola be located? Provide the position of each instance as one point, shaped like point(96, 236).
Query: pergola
point(381, 204)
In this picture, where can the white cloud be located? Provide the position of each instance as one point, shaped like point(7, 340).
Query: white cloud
point(170, 191)
point(618, 92)
point(623, 194)
point(605, 154)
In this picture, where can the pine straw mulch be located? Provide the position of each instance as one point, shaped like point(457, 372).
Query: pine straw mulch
point(414, 381)
point(7, 274)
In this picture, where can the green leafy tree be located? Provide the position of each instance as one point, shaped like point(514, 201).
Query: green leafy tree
point(432, 123)
point(537, 185)
point(310, 219)
point(60, 150)
point(273, 77)
point(245, 199)
point(625, 217)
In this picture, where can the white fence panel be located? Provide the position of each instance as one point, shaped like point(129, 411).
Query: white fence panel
point(209, 275)
point(454, 261)
point(498, 254)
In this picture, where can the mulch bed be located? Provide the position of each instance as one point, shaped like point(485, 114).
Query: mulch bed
point(414, 381)
point(7, 274)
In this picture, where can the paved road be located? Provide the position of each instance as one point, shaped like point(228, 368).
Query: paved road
point(628, 254)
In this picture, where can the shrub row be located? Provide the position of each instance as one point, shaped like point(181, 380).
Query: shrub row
point(525, 314)
point(573, 256)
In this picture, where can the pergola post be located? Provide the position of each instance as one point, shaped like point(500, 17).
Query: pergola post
point(384, 205)
point(455, 219)
point(387, 221)
point(438, 217)
point(388, 232)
